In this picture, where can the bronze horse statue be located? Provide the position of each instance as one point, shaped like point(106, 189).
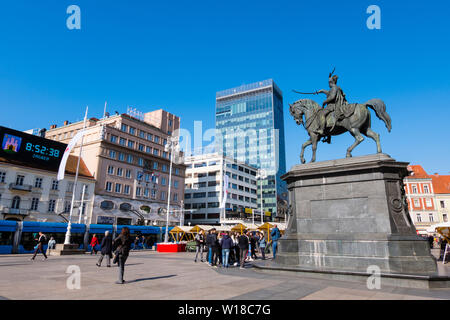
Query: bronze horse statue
point(357, 122)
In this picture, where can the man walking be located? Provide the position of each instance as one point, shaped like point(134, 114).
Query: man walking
point(210, 242)
point(40, 245)
point(199, 245)
point(275, 234)
point(243, 248)
point(106, 250)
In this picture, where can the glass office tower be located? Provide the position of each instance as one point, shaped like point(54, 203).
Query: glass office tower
point(250, 128)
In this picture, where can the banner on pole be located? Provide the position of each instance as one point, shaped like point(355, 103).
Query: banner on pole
point(72, 143)
point(225, 191)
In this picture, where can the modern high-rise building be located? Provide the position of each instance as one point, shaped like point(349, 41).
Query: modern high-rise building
point(250, 129)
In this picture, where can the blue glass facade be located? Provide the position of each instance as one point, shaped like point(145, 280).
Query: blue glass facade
point(250, 128)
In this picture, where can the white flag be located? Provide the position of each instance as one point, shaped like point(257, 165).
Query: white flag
point(225, 191)
point(72, 143)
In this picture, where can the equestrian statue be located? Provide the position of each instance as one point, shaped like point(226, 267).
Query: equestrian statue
point(337, 118)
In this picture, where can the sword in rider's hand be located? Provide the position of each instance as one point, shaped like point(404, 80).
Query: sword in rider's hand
point(305, 92)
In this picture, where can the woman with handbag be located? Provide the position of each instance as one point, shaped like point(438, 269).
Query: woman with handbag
point(122, 244)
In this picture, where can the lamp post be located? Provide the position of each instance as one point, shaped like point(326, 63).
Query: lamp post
point(171, 146)
point(261, 175)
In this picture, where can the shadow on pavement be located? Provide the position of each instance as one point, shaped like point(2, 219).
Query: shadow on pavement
point(153, 278)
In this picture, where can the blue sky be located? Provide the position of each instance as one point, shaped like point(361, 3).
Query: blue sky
point(176, 54)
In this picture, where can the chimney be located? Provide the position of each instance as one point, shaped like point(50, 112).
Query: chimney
point(66, 122)
point(53, 126)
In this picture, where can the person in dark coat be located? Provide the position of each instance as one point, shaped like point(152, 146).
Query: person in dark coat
point(210, 242)
point(253, 242)
point(226, 244)
point(106, 246)
point(41, 241)
point(243, 248)
point(122, 245)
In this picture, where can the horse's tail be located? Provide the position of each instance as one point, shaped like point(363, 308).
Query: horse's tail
point(380, 110)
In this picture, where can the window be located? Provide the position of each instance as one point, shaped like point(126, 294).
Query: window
point(2, 176)
point(164, 142)
point(130, 158)
point(132, 130)
point(112, 154)
point(213, 204)
point(177, 171)
point(414, 188)
point(110, 170)
point(444, 217)
point(164, 154)
point(164, 168)
point(431, 217)
point(156, 139)
point(148, 149)
point(108, 186)
point(153, 193)
point(55, 185)
point(149, 137)
point(121, 156)
point(141, 162)
point(130, 144)
point(128, 173)
point(119, 172)
point(425, 189)
point(155, 152)
point(416, 203)
point(170, 123)
point(213, 194)
point(212, 183)
point(19, 180)
point(126, 189)
point(38, 183)
point(442, 204)
point(163, 195)
point(187, 195)
point(175, 184)
point(70, 186)
point(175, 197)
point(138, 191)
point(51, 205)
point(142, 134)
point(118, 188)
point(155, 165)
point(34, 204)
point(419, 218)
point(123, 141)
point(428, 202)
point(199, 195)
point(107, 205)
point(15, 203)
point(163, 181)
point(67, 206)
point(124, 127)
point(146, 192)
point(114, 138)
point(141, 147)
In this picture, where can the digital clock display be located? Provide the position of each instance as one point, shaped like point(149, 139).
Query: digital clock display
point(30, 150)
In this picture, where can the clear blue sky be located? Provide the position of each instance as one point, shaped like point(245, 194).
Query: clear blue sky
point(177, 54)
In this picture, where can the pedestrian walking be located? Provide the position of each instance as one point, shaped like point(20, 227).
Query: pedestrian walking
point(275, 234)
point(94, 242)
point(136, 243)
point(144, 246)
point(226, 244)
point(236, 249)
point(217, 249)
point(199, 245)
point(262, 245)
point(253, 241)
point(243, 242)
point(122, 245)
point(41, 241)
point(210, 240)
point(106, 250)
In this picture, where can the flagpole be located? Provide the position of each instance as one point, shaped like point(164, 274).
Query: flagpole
point(69, 225)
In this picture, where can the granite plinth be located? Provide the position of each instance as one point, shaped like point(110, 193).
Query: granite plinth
point(350, 215)
point(66, 249)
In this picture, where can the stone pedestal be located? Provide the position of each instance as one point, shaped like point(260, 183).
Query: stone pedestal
point(351, 214)
point(66, 249)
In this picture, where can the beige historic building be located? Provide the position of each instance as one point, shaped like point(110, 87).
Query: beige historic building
point(441, 185)
point(33, 194)
point(126, 156)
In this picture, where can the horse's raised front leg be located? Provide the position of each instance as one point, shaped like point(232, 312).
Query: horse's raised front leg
point(358, 139)
point(375, 136)
point(314, 140)
point(307, 143)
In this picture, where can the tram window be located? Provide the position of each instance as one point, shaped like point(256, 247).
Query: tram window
point(27, 240)
point(6, 238)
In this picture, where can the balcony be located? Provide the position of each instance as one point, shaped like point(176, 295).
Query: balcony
point(21, 212)
point(20, 187)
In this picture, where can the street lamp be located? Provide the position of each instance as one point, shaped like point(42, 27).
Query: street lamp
point(261, 175)
point(171, 146)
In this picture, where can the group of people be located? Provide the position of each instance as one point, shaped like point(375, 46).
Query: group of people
point(145, 242)
point(231, 248)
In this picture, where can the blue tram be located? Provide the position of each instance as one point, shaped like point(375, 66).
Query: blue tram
point(19, 237)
